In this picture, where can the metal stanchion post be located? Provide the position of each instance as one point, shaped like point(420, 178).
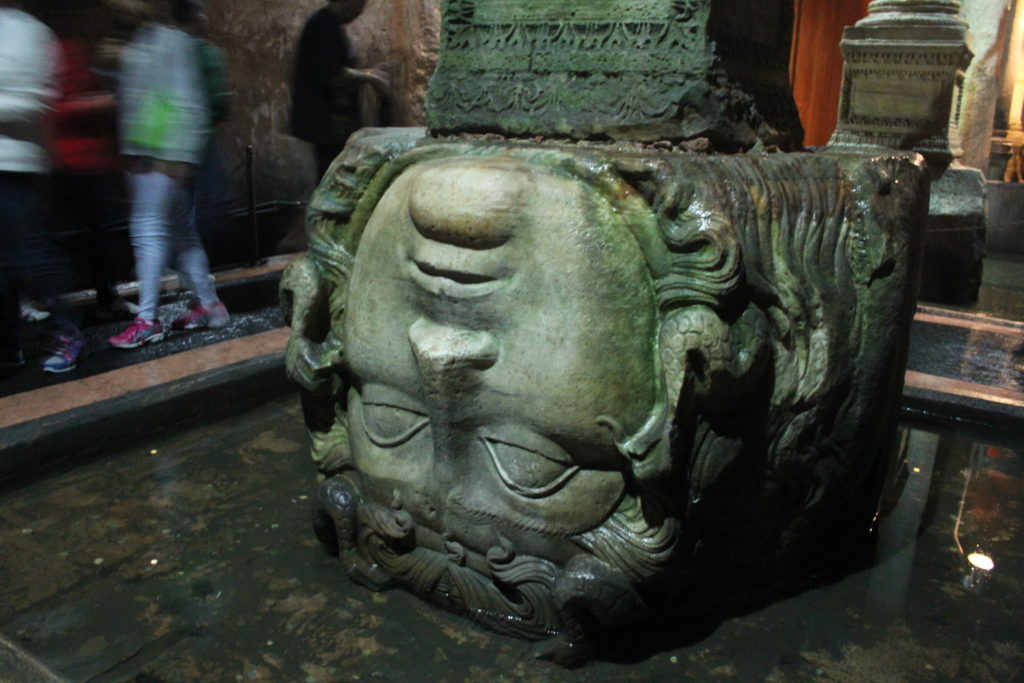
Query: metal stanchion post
point(250, 190)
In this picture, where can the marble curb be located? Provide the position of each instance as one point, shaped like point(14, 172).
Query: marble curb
point(983, 420)
point(36, 447)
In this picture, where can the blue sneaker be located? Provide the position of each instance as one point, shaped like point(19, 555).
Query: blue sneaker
point(64, 352)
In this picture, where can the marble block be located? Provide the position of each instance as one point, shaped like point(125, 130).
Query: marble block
point(559, 388)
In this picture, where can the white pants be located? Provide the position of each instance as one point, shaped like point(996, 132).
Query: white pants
point(163, 225)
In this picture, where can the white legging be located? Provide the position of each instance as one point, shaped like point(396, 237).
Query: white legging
point(163, 224)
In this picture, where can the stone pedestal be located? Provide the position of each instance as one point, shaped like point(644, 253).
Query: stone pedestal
point(903, 66)
point(1005, 209)
point(954, 245)
point(990, 31)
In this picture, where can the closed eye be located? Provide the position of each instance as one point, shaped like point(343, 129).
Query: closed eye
point(389, 426)
point(530, 472)
point(461, 277)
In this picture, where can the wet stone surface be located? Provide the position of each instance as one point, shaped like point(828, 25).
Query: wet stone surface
point(1002, 291)
point(252, 302)
point(991, 358)
point(191, 558)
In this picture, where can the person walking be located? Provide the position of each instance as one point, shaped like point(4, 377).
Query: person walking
point(165, 128)
point(27, 70)
point(88, 181)
point(325, 86)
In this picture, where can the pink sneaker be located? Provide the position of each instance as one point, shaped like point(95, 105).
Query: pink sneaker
point(140, 332)
point(199, 316)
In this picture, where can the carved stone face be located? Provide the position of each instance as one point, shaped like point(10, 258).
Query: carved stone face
point(489, 304)
point(552, 389)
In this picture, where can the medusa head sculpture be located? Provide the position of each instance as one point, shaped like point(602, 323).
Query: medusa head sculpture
point(550, 388)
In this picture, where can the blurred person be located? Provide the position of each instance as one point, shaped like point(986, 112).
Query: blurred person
point(125, 18)
point(214, 198)
point(27, 63)
point(87, 177)
point(164, 129)
point(86, 190)
point(325, 87)
point(32, 311)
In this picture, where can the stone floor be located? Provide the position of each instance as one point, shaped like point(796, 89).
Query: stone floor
point(191, 558)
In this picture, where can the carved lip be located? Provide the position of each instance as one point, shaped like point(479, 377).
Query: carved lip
point(451, 282)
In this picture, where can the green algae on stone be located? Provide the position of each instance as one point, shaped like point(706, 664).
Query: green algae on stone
point(642, 70)
point(552, 387)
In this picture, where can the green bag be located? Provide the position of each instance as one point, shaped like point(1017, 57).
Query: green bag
point(152, 121)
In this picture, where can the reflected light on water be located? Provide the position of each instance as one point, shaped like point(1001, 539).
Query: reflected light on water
point(960, 512)
point(980, 564)
point(981, 567)
point(981, 561)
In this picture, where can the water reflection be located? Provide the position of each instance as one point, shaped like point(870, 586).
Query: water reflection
point(898, 531)
point(990, 483)
point(992, 479)
point(211, 570)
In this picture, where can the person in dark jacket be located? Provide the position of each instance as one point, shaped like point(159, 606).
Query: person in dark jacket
point(325, 88)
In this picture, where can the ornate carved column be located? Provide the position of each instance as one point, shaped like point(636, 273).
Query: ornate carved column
point(1007, 121)
point(644, 71)
point(1005, 167)
point(904, 64)
point(991, 26)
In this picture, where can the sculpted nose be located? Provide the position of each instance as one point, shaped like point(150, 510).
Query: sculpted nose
point(475, 204)
point(449, 358)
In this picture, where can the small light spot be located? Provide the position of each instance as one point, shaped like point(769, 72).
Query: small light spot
point(269, 643)
point(26, 531)
point(153, 452)
point(674, 659)
point(917, 470)
point(154, 561)
point(98, 561)
point(981, 561)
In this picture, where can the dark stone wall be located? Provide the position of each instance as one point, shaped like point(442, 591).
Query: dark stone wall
point(259, 36)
